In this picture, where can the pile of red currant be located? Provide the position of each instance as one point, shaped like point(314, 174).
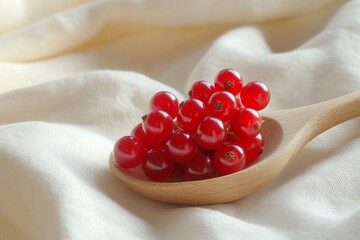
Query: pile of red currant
point(216, 131)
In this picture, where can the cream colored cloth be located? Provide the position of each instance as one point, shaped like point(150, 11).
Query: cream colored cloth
point(77, 75)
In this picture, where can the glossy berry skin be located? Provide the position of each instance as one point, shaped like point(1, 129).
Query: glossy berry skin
point(200, 167)
point(157, 166)
point(181, 146)
point(255, 95)
point(210, 133)
point(158, 125)
point(253, 147)
point(191, 113)
point(165, 101)
point(228, 80)
point(222, 105)
point(129, 152)
point(229, 158)
point(139, 133)
point(202, 90)
point(246, 122)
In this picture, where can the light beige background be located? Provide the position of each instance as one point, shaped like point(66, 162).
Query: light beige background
point(77, 75)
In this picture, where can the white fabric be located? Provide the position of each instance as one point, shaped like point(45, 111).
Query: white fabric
point(77, 75)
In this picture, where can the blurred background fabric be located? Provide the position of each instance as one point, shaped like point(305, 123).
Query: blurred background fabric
point(76, 75)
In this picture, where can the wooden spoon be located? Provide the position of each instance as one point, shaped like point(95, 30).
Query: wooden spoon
point(285, 132)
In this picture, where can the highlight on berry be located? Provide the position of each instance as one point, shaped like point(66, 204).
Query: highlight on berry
point(216, 131)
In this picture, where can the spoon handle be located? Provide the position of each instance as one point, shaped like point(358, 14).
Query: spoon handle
point(328, 114)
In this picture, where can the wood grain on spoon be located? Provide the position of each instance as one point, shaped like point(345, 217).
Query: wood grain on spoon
point(285, 133)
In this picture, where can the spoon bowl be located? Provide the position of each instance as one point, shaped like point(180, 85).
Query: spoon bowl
point(285, 133)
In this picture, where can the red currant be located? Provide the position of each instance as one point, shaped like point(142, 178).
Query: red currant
point(200, 167)
point(215, 131)
point(201, 90)
point(139, 133)
point(253, 147)
point(191, 113)
point(246, 122)
point(210, 133)
point(228, 80)
point(129, 152)
point(165, 101)
point(157, 166)
point(221, 105)
point(255, 95)
point(181, 146)
point(158, 125)
point(229, 158)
